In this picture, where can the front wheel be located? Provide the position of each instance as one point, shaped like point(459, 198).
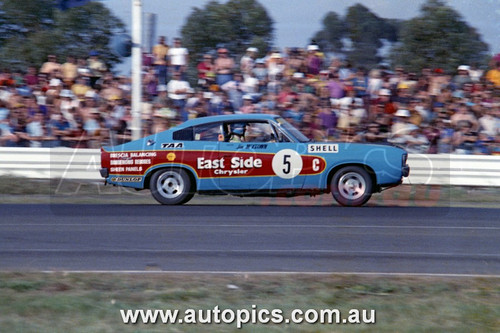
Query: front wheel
point(171, 186)
point(351, 186)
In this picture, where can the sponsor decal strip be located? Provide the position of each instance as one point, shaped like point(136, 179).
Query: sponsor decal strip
point(213, 164)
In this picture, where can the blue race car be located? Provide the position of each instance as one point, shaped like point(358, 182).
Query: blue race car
point(251, 155)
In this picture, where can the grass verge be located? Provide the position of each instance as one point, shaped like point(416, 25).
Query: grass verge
point(57, 302)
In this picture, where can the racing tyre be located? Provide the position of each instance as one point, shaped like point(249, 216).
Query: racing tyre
point(351, 186)
point(171, 186)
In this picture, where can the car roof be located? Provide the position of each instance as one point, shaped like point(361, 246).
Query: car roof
point(231, 117)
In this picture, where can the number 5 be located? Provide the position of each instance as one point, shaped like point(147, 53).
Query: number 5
point(287, 165)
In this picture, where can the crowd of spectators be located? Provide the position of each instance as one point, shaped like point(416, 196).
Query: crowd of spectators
point(80, 103)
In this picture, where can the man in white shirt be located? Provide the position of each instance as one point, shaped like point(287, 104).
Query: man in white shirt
point(177, 91)
point(35, 130)
point(178, 57)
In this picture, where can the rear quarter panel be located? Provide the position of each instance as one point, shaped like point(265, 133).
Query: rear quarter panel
point(385, 161)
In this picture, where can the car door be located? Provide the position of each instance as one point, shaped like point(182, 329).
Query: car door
point(256, 160)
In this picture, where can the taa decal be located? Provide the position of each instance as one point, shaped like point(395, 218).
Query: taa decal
point(173, 145)
point(287, 164)
point(323, 148)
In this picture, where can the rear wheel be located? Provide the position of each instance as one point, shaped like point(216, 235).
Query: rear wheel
point(171, 186)
point(351, 186)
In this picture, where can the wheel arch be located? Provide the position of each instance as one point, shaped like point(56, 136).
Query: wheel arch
point(192, 178)
point(369, 169)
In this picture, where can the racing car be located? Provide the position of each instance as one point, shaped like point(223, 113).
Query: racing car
point(251, 155)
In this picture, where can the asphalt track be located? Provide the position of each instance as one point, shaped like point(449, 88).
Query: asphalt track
point(250, 239)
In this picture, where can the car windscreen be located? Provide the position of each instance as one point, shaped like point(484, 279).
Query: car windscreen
point(292, 130)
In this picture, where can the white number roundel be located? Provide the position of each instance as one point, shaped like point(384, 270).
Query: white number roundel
point(287, 163)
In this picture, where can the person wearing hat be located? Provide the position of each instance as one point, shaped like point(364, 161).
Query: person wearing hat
point(161, 99)
point(247, 62)
point(96, 67)
point(223, 66)
point(260, 72)
point(462, 76)
point(275, 65)
point(437, 82)
point(313, 60)
point(400, 127)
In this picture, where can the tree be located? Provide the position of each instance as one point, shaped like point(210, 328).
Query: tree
point(363, 28)
point(30, 30)
point(438, 37)
point(330, 37)
point(236, 24)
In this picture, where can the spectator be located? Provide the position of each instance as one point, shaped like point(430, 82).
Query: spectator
point(462, 76)
point(401, 126)
point(35, 130)
point(161, 100)
point(248, 106)
point(373, 134)
point(160, 53)
point(489, 123)
point(50, 65)
point(360, 83)
point(275, 66)
point(260, 72)
point(234, 90)
point(178, 57)
point(493, 75)
point(206, 72)
point(416, 142)
point(96, 68)
point(433, 134)
point(464, 139)
point(247, 62)
point(446, 133)
point(335, 86)
point(177, 89)
point(80, 88)
point(223, 66)
point(463, 115)
point(313, 60)
point(31, 78)
point(69, 70)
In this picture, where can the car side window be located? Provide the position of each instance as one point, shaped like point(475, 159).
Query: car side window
point(249, 132)
point(185, 134)
point(260, 132)
point(208, 132)
point(281, 136)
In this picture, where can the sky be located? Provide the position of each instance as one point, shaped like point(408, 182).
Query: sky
point(296, 21)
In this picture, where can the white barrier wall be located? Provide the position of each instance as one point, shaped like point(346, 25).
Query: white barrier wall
point(45, 163)
point(84, 164)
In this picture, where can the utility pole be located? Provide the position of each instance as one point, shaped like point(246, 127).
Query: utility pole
point(136, 126)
